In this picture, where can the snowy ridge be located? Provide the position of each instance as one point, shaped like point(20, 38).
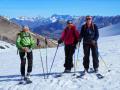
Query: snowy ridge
point(109, 49)
point(111, 30)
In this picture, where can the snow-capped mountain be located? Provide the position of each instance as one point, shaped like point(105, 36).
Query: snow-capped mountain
point(28, 18)
point(56, 23)
point(53, 19)
point(10, 30)
point(101, 21)
point(32, 22)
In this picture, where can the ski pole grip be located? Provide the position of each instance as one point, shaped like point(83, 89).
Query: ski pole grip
point(45, 41)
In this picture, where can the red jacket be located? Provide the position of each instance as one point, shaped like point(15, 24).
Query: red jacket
point(70, 36)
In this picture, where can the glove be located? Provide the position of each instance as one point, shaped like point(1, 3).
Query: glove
point(75, 42)
point(78, 44)
point(93, 42)
point(59, 41)
point(75, 46)
point(79, 40)
point(26, 49)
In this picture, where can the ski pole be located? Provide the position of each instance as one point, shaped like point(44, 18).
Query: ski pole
point(104, 63)
point(46, 56)
point(74, 66)
point(17, 51)
point(54, 58)
point(42, 64)
point(78, 52)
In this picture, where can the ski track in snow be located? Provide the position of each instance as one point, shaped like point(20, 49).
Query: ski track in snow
point(109, 49)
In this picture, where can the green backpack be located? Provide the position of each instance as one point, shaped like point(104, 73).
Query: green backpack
point(25, 39)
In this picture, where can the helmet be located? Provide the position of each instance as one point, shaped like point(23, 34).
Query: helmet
point(69, 22)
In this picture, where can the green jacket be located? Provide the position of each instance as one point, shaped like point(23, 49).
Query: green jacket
point(24, 39)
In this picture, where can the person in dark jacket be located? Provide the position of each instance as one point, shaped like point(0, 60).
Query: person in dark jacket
point(70, 38)
point(89, 33)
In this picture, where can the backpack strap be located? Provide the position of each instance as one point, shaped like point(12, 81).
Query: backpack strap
point(26, 35)
point(75, 39)
point(92, 26)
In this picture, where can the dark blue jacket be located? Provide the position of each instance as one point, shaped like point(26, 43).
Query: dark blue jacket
point(89, 34)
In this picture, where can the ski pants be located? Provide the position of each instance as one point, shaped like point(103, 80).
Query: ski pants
point(69, 51)
point(86, 60)
point(23, 57)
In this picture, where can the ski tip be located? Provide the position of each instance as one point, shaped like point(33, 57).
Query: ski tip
point(99, 76)
point(109, 70)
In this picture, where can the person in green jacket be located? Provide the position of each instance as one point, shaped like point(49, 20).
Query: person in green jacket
point(25, 43)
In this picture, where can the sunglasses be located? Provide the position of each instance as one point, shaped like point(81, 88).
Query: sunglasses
point(88, 19)
point(69, 23)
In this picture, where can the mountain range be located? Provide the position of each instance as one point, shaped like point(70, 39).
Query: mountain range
point(9, 31)
point(54, 25)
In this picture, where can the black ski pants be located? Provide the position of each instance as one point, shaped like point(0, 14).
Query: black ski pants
point(23, 57)
point(69, 51)
point(86, 60)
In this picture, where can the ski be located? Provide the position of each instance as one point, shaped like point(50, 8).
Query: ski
point(63, 73)
point(21, 82)
point(98, 75)
point(58, 75)
point(28, 81)
point(82, 75)
point(25, 81)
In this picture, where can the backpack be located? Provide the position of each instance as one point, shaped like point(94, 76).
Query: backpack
point(25, 35)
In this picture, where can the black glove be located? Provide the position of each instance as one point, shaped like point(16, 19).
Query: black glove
point(74, 46)
point(75, 42)
point(59, 41)
point(79, 40)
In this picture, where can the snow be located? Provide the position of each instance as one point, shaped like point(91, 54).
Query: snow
point(109, 49)
point(23, 18)
point(6, 46)
point(53, 19)
point(111, 30)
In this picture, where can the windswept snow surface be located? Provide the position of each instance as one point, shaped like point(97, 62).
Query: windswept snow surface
point(111, 30)
point(109, 49)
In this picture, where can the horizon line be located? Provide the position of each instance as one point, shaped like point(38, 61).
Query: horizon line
point(56, 14)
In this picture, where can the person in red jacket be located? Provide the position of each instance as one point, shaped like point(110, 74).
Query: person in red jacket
point(70, 38)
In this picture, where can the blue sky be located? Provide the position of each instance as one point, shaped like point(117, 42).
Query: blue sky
point(46, 8)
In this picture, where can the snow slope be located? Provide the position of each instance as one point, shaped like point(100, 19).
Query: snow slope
point(111, 30)
point(109, 49)
point(4, 46)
